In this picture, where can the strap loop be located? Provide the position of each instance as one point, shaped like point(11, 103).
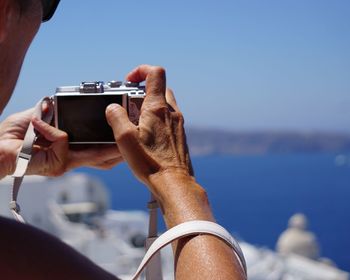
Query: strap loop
point(14, 206)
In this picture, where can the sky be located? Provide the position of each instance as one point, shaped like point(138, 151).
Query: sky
point(233, 65)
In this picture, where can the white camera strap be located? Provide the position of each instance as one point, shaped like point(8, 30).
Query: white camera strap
point(25, 154)
point(154, 266)
point(186, 229)
point(152, 261)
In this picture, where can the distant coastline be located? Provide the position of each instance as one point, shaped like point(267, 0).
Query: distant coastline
point(213, 142)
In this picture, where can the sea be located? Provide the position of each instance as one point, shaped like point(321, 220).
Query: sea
point(254, 196)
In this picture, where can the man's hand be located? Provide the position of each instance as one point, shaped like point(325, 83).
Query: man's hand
point(158, 145)
point(51, 154)
point(157, 153)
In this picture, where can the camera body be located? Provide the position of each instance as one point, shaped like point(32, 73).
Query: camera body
point(80, 110)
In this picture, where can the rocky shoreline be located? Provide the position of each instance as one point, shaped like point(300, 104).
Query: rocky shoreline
point(212, 141)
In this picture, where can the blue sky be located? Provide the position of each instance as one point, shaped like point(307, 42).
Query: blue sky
point(236, 65)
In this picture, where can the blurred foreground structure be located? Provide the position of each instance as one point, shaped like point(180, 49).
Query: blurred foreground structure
point(75, 208)
point(297, 240)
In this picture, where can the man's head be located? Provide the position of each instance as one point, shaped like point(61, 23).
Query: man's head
point(19, 22)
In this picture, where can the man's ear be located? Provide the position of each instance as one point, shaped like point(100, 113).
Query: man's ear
point(6, 15)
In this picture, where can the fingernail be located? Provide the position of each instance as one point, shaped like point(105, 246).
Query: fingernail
point(112, 107)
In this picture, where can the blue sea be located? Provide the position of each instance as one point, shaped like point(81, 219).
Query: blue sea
point(254, 196)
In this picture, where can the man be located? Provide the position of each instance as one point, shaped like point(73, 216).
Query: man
point(156, 151)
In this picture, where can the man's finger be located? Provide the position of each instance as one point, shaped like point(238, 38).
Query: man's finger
point(140, 73)
point(108, 164)
point(155, 78)
point(94, 158)
point(94, 155)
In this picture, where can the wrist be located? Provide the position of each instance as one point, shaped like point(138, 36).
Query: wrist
point(165, 184)
point(180, 197)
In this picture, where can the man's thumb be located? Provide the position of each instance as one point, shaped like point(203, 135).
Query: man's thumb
point(118, 119)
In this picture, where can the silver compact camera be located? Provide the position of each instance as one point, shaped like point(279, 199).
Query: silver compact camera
point(80, 110)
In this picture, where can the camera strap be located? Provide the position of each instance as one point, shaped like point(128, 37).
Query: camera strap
point(152, 260)
point(187, 229)
point(25, 154)
point(154, 266)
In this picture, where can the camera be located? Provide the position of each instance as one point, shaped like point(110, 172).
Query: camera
point(80, 110)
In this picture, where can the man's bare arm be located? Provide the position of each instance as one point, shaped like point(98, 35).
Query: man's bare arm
point(157, 153)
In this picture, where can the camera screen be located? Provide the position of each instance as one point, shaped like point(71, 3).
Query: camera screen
point(83, 117)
